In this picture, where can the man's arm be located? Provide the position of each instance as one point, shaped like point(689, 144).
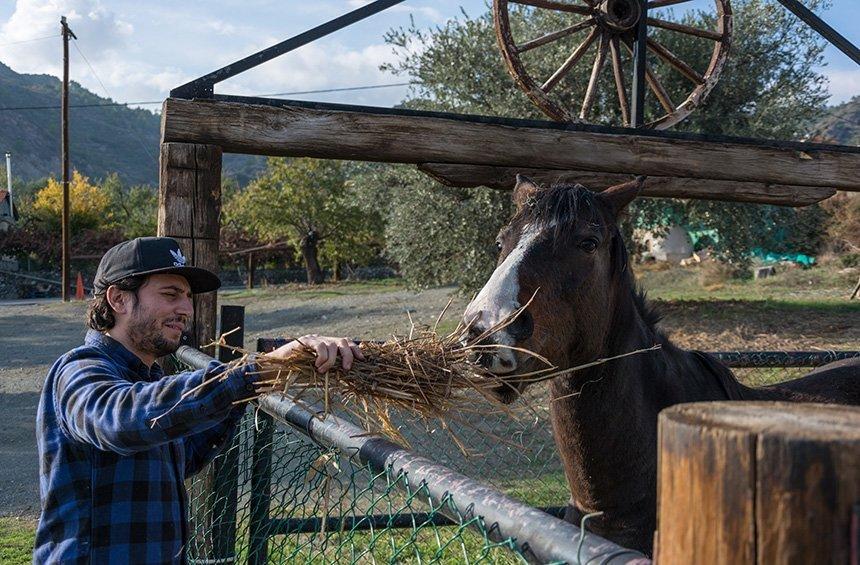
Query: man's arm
point(97, 406)
point(201, 448)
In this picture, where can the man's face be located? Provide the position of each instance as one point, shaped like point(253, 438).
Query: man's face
point(161, 314)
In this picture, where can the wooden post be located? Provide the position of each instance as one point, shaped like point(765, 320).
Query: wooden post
point(757, 482)
point(189, 206)
point(252, 267)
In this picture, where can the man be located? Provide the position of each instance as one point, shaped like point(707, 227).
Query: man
point(112, 482)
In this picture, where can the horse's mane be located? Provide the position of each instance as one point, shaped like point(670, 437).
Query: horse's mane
point(560, 206)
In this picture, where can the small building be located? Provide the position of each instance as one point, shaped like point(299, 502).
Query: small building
point(674, 246)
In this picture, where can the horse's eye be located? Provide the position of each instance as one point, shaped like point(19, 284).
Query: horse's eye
point(588, 245)
point(498, 245)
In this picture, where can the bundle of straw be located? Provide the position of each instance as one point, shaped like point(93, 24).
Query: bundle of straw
point(423, 373)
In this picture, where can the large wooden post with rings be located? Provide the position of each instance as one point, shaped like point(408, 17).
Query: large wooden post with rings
point(189, 208)
point(758, 482)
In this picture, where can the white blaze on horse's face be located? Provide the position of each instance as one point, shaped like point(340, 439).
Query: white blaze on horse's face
point(498, 299)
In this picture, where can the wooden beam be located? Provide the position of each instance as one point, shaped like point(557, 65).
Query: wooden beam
point(295, 130)
point(503, 178)
point(189, 203)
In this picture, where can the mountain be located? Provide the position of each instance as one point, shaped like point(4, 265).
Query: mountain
point(101, 139)
point(841, 123)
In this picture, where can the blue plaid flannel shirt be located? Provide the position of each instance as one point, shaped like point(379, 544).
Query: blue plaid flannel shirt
point(112, 485)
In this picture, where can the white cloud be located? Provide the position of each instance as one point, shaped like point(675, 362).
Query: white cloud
point(844, 84)
point(428, 12)
point(319, 66)
point(106, 33)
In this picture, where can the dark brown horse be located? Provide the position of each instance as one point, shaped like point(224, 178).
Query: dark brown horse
point(563, 246)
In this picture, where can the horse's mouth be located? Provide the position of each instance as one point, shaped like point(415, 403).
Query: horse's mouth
point(505, 393)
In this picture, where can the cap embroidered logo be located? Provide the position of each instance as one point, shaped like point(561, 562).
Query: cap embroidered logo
point(178, 259)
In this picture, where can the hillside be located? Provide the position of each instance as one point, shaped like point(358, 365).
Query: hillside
point(102, 139)
point(842, 123)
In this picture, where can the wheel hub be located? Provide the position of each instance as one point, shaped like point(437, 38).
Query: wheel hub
point(620, 15)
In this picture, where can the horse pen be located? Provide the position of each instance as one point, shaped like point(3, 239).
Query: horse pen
point(297, 487)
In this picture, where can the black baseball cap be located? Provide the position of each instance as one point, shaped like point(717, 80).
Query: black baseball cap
point(150, 256)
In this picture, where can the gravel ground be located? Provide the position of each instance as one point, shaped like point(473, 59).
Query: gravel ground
point(33, 335)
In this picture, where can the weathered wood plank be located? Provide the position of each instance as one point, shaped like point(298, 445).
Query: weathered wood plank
point(757, 482)
point(189, 207)
point(503, 178)
point(301, 131)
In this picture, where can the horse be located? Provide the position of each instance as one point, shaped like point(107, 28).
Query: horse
point(563, 251)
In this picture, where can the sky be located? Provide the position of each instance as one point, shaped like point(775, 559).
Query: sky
point(137, 50)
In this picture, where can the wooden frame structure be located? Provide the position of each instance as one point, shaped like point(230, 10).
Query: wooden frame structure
point(460, 150)
point(463, 150)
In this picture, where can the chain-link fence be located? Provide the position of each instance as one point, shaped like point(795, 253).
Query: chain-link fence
point(279, 494)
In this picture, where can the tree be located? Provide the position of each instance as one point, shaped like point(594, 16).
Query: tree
point(769, 88)
point(89, 206)
point(307, 203)
point(134, 209)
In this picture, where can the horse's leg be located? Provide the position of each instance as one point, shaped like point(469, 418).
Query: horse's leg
point(837, 382)
point(632, 529)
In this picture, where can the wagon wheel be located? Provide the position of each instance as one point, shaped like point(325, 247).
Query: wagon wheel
point(611, 25)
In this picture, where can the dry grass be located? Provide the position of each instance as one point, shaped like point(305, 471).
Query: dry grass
point(430, 376)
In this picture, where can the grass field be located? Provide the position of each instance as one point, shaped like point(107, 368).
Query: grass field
point(16, 540)
point(796, 309)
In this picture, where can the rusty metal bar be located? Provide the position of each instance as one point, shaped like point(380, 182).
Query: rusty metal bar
point(824, 30)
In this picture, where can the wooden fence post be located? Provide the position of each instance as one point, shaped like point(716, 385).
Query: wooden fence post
point(189, 207)
point(757, 482)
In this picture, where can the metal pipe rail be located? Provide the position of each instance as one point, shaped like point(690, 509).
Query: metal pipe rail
point(541, 538)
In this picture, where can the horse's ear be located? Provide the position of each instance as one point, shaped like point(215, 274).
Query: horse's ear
point(524, 190)
point(620, 195)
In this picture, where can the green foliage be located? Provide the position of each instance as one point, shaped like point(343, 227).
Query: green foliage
point(134, 210)
point(295, 197)
point(769, 88)
point(443, 235)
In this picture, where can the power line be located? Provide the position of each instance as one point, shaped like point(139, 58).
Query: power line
point(125, 116)
point(152, 102)
point(29, 40)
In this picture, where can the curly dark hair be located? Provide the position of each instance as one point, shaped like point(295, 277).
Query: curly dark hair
point(100, 315)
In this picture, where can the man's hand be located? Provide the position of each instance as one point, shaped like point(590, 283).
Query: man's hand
point(326, 348)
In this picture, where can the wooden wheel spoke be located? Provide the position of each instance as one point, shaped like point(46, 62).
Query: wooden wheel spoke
point(617, 71)
point(550, 37)
point(682, 67)
point(654, 4)
point(557, 6)
point(599, 61)
point(570, 62)
point(654, 84)
point(689, 30)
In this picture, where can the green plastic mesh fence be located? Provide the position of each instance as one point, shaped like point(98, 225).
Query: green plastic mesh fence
point(297, 502)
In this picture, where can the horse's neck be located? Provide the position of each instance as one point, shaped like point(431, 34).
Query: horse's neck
point(604, 418)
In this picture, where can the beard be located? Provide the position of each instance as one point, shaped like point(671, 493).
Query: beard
point(147, 334)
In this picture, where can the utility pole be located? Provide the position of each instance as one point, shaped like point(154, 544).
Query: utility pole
point(67, 254)
point(9, 182)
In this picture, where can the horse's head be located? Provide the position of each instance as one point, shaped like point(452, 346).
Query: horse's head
point(562, 249)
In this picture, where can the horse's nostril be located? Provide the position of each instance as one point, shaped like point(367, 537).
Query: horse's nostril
point(522, 328)
point(475, 331)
